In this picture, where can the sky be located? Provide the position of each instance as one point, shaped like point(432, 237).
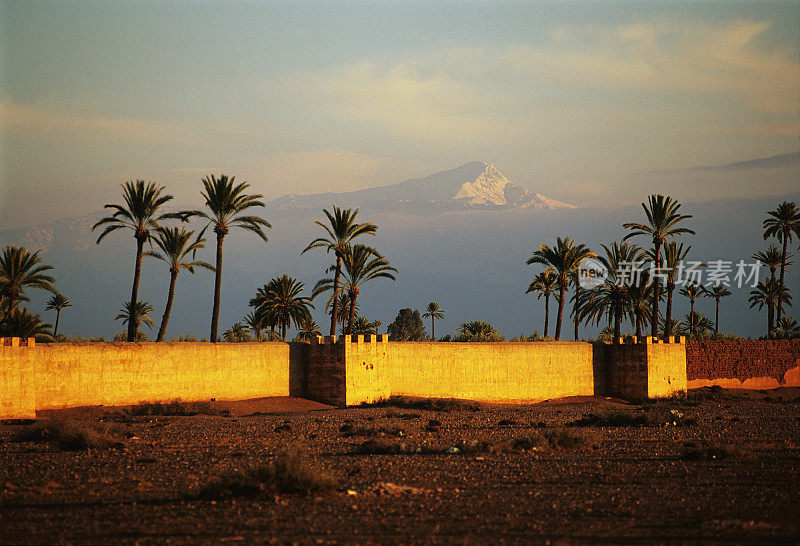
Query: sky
point(568, 99)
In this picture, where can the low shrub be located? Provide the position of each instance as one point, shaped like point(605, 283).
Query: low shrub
point(551, 439)
point(381, 446)
point(706, 451)
point(290, 473)
point(71, 435)
point(427, 404)
point(175, 408)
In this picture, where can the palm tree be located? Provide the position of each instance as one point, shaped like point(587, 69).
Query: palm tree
point(787, 328)
point(19, 269)
point(237, 334)
point(773, 258)
point(136, 314)
point(662, 220)
point(766, 294)
point(139, 214)
point(612, 299)
point(641, 296)
point(561, 260)
point(308, 330)
point(363, 326)
point(697, 325)
point(21, 323)
point(255, 322)
point(544, 284)
point(57, 303)
point(176, 244)
point(674, 255)
point(693, 291)
point(226, 202)
point(718, 291)
point(280, 300)
point(341, 231)
point(783, 223)
point(434, 312)
point(362, 264)
point(478, 330)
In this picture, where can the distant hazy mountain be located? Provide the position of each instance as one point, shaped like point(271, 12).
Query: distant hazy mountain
point(474, 185)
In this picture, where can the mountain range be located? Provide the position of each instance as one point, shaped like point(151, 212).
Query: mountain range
point(475, 185)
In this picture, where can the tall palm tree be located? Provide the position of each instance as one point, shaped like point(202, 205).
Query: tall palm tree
point(136, 313)
point(140, 214)
point(693, 291)
point(772, 258)
point(19, 269)
point(561, 259)
point(641, 295)
point(57, 303)
point(363, 326)
point(783, 223)
point(341, 230)
point(718, 291)
point(612, 299)
point(362, 264)
point(766, 294)
point(662, 222)
point(280, 300)
point(433, 311)
point(674, 255)
point(176, 244)
point(227, 202)
point(544, 284)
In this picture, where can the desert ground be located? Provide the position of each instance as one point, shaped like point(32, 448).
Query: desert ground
point(716, 466)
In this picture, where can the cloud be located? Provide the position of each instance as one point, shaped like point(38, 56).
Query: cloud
point(587, 79)
point(46, 121)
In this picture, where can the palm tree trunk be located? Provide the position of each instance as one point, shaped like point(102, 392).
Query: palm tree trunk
point(173, 277)
point(352, 319)
point(546, 312)
point(770, 320)
point(433, 328)
point(335, 308)
point(137, 271)
point(716, 318)
point(780, 292)
point(561, 296)
point(617, 323)
point(55, 330)
point(283, 330)
point(217, 289)
point(691, 318)
point(656, 291)
point(668, 315)
point(638, 319)
point(577, 309)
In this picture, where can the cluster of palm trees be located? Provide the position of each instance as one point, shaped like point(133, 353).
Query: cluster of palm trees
point(616, 299)
point(278, 303)
point(783, 223)
point(227, 205)
point(21, 269)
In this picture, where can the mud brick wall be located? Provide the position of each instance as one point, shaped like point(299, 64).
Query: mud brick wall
point(743, 363)
point(85, 374)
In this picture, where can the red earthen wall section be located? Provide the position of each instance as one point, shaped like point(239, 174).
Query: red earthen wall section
point(752, 363)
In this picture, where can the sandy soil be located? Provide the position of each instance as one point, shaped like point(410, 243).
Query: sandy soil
point(729, 472)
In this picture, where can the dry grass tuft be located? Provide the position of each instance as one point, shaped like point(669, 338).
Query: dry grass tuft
point(71, 435)
point(290, 473)
point(175, 408)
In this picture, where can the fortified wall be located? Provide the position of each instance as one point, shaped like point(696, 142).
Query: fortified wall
point(341, 371)
point(745, 364)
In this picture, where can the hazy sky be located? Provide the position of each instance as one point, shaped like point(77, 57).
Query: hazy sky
point(302, 97)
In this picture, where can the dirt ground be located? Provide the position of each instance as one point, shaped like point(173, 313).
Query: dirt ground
point(718, 466)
